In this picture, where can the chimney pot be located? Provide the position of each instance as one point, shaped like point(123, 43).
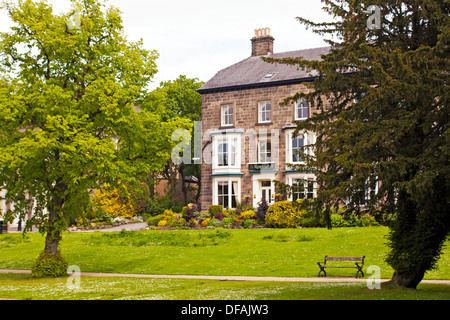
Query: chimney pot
point(262, 42)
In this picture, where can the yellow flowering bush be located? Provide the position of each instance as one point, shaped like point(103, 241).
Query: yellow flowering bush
point(162, 223)
point(113, 203)
point(284, 214)
point(205, 222)
point(248, 214)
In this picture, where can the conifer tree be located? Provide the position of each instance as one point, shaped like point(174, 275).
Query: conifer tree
point(383, 100)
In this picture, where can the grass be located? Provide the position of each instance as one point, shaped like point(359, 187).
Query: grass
point(22, 286)
point(240, 252)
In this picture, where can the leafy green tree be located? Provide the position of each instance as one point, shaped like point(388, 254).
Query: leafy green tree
point(68, 121)
point(383, 100)
point(179, 99)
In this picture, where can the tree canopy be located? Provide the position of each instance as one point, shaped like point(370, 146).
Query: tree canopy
point(69, 120)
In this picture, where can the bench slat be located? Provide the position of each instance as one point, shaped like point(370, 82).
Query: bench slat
point(344, 258)
point(338, 267)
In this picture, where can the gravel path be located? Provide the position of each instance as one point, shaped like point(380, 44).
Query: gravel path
point(228, 278)
point(128, 227)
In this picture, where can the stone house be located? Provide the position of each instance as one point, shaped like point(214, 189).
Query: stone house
point(247, 139)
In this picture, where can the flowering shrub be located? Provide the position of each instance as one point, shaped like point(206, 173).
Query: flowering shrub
point(215, 209)
point(113, 203)
point(162, 223)
point(192, 211)
point(249, 214)
point(284, 214)
point(237, 222)
point(218, 216)
point(205, 222)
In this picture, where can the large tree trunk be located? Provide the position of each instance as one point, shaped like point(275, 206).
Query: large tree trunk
point(53, 234)
point(55, 223)
point(410, 280)
point(418, 234)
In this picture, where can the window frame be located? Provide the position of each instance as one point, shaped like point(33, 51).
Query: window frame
point(267, 151)
point(309, 138)
point(225, 117)
point(262, 104)
point(297, 109)
point(229, 196)
point(306, 179)
point(232, 141)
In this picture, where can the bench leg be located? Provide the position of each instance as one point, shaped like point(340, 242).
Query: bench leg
point(322, 270)
point(359, 270)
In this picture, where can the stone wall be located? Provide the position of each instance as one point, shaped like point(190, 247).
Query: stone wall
point(245, 112)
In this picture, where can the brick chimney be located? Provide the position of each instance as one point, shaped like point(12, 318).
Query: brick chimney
point(262, 42)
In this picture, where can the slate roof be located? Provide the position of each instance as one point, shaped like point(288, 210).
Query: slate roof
point(253, 72)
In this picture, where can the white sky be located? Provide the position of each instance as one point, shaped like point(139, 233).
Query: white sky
point(197, 38)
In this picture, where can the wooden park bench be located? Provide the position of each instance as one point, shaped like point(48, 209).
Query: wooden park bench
point(354, 259)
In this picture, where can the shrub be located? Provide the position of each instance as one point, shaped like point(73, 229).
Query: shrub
point(171, 223)
point(176, 208)
point(49, 265)
point(162, 223)
point(153, 221)
point(218, 216)
point(337, 221)
point(368, 221)
point(284, 214)
point(227, 222)
point(310, 220)
point(215, 223)
point(181, 222)
point(249, 214)
point(261, 211)
point(203, 216)
point(237, 222)
point(113, 203)
point(205, 222)
point(168, 214)
point(192, 211)
point(157, 205)
point(214, 209)
point(248, 223)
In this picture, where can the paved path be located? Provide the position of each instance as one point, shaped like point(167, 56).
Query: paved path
point(128, 227)
point(227, 278)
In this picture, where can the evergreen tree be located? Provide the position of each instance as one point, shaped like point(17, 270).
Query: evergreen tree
point(383, 119)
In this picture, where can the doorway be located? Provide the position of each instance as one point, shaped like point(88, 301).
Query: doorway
point(266, 191)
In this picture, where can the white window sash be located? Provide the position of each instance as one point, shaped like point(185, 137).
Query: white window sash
point(303, 110)
point(264, 115)
point(264, 150)
point(231, 154)
point(227, 116)
point(304, 180)
point(233, 190)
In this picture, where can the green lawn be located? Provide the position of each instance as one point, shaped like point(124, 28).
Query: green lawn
point(240, 252)
point(21, 286)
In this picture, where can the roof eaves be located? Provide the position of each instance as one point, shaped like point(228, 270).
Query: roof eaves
point(256, 85)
